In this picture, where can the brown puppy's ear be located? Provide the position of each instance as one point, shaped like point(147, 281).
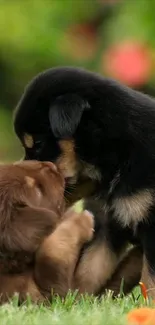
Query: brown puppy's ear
point(25, 228)
point(65, 114)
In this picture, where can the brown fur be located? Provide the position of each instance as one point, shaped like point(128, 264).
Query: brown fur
point(57, 257)
point(30, 210)
point(40, 243)
point(95, 268)
point(54, 262)
point(27, 212)
point(34, 258)
point(129, 270)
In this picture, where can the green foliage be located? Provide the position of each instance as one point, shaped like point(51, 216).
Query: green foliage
point(31, 33)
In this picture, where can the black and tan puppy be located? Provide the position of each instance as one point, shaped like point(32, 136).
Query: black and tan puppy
point(96, 128)
point(39, 243)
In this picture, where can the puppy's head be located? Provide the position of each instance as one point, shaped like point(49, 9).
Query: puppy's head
point(32, 201)
point(57, 120)
point(32, 183)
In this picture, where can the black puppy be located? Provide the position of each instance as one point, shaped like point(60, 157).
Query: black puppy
point(94, 127)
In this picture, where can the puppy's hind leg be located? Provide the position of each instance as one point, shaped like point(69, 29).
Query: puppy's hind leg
point(96, 266)
point(57, 256)
point(129, 271)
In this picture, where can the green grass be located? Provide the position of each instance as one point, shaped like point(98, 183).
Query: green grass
point(87, 311)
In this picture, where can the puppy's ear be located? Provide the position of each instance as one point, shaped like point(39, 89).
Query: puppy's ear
point(65, 114)
point(26, 228)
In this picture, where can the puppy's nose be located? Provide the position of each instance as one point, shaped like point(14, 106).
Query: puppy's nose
point(50, 165)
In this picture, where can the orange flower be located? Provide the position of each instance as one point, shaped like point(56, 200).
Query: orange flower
point(143, 290)
point(145, 316)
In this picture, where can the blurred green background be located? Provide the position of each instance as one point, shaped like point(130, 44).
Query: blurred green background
point(113, 37)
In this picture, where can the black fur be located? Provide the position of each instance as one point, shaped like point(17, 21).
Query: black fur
point(113, 128)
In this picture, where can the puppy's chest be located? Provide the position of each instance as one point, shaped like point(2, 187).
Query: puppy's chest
point(130, 210)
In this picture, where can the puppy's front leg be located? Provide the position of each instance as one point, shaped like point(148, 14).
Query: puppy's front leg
point(58, 254)
point(101, 257)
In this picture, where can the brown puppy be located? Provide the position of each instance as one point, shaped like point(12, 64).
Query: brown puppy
point(32, 204)
point(57, 257)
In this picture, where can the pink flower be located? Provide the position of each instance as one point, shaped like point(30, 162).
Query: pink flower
point(130, 62)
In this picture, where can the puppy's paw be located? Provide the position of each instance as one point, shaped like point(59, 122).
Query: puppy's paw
point(82, 222)
point(85, 221)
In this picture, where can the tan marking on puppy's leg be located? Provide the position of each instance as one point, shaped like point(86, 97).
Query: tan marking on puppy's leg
point(148, 279)
point(95, 268)
point(133, 208)
point(57, 256)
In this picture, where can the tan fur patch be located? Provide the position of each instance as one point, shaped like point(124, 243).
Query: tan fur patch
point(95, 268)
point(134, 208)
point(30, 181)
point(70, 166)
point(67, 162)
point(28, 140)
